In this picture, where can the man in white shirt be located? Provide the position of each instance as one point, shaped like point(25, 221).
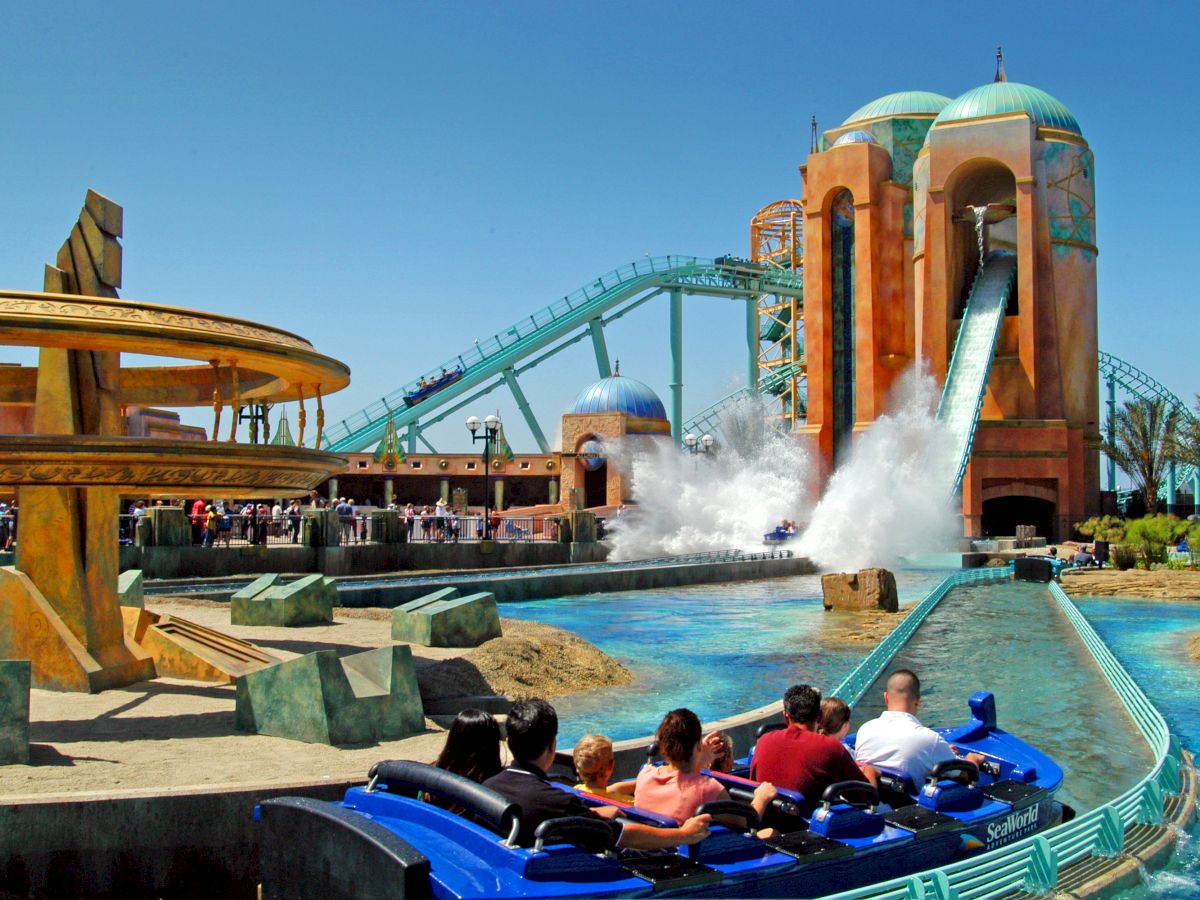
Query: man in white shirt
point(897, 740)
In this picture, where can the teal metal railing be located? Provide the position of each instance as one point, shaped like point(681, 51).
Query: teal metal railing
point(709, 419)
point(1033, 864)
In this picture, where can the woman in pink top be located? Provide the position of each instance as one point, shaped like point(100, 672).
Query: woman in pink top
point(676, 788)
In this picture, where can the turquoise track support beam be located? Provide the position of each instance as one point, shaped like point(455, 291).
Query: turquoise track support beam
point(676, 366)
point(1112, 431)
point(752, 343)
point(428, 446)
point(1172, 489)
point(410, 438)
point(1196, 488)
point(603, 366)
point(510, 378)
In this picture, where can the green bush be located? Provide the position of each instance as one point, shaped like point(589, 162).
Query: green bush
point(1152, 535)
point(1103, 528)
point(1122, 556)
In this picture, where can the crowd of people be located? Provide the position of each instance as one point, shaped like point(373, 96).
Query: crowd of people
point(806, 755)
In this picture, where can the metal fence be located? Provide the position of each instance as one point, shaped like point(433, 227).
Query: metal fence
point(1033, 864)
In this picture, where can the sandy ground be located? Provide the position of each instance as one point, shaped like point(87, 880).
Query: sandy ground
point(1162, 584)
point(181, 733)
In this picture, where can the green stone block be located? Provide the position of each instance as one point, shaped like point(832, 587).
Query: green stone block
point(129, 589)
point(257, 586)
point(320, 699)
point(14, 710)
point(306, 601)
point(443, 619)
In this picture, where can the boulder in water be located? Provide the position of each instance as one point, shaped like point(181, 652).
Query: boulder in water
point(865, 589)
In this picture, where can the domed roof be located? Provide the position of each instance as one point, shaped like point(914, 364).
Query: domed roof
point(1000, 97)
point(618, 394)
point(900, 104)
point(855, 137)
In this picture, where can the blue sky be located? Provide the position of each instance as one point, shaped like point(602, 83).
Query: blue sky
point(393, 180)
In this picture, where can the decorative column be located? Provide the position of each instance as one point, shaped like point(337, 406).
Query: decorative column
point(388, 490)
point(676, 366)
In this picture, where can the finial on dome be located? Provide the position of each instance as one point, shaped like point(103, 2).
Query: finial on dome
point(617, 369)
point(812, 144)
point(1000, 76)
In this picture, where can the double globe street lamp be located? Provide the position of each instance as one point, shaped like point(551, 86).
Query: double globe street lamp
point(491, 433)
point(698, 444)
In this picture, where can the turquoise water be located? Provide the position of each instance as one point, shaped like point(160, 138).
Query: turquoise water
point(717, 649)
point(1150, 639)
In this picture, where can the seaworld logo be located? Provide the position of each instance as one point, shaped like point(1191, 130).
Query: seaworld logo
point(1013, 826)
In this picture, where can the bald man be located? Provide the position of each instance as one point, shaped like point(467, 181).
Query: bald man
point(897, 740)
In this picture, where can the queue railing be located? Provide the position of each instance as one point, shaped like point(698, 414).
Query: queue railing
point(1033, 864)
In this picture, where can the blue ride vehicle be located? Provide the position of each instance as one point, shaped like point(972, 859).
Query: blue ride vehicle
point(383, 841)
point(447, 378)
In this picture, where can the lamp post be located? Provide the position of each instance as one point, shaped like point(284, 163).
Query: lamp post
point(491, 430)
point(695, 445)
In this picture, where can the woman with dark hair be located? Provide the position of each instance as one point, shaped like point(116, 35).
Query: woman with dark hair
point(676, 788)
point(472, 749)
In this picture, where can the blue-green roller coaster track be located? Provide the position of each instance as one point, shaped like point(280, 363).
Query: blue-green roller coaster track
point(501, 359)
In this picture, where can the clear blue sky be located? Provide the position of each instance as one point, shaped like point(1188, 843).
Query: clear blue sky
point(393, 180)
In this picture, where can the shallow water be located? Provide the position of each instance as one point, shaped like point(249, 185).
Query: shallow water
point(717, 649)
point(1150, 639)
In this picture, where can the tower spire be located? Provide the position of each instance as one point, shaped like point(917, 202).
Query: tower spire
point(812, 144)
point(1000, 76)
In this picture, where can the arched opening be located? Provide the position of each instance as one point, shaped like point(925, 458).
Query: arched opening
point(592, 472)
point(841, 233)
point(1002, 515)
point(980, 183)
point(595, 486)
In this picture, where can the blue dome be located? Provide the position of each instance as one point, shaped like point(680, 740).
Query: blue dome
point(901, 105)
point(1002, 97)
point(618, 394)
point(855, 137)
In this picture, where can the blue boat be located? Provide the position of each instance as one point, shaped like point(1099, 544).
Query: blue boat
point(382, 841)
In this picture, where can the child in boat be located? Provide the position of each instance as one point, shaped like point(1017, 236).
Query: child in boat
point(676, 788)
point(594, 762)
point(835, 718)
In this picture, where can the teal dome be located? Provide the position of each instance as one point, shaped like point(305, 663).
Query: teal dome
point(898, 105)
point(618, 394)
point(1002, 97)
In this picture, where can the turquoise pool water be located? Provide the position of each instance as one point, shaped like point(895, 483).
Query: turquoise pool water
point(717, 649)
point(1150, 639)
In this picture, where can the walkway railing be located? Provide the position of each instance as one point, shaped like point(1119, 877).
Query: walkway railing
point(1033, 864)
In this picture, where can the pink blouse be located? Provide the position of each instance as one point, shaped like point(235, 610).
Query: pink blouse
point(669, 792)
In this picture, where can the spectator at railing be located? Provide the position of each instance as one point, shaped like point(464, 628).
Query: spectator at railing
point(198, 520)
point(410, 519)
point(294, 515)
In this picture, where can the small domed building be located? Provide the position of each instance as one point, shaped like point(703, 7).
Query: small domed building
point(613, 407)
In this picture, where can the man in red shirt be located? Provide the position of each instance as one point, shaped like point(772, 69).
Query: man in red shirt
point(797, 757)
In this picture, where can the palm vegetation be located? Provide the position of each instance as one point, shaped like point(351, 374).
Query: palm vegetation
point(1145, 440)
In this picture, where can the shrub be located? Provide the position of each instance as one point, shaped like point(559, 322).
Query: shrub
point(1152, 535)
point(1103, 528)
point(1122, 556)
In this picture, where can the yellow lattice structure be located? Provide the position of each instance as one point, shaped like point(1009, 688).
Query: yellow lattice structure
point(777, 238)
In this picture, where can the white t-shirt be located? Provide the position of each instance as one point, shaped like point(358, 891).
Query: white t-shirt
point(898, 740)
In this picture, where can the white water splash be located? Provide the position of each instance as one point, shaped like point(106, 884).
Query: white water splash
point(756, 477)
point(891, 497)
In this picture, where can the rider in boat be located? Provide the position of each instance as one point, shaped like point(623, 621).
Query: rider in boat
point(897, 740)
point(532, 728)
point(798, 757)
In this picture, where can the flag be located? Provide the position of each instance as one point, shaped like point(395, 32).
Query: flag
point(389, 452)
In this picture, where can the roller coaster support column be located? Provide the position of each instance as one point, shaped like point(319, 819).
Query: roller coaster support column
point(676, 366)
point(1112, 430)
point(752, 342)
point(510, 378)
point(601, 347)
point(1171, 489)
point(410, 439)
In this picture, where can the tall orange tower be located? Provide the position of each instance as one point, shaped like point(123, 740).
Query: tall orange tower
point(891, 253)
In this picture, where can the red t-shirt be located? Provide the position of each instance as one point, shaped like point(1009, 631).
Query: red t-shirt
point(803, 761)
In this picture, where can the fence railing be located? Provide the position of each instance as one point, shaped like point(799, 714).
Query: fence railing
point(1033, 863)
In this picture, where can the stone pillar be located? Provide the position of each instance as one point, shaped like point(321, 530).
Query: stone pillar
point(553, 490)
point(320, 528)
point(444, 490)
point(15, 677)
point(143, 532)
point(169, 526)
point(387, 527)
point(498, 504)
point(333, 489)
point(388, 491)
